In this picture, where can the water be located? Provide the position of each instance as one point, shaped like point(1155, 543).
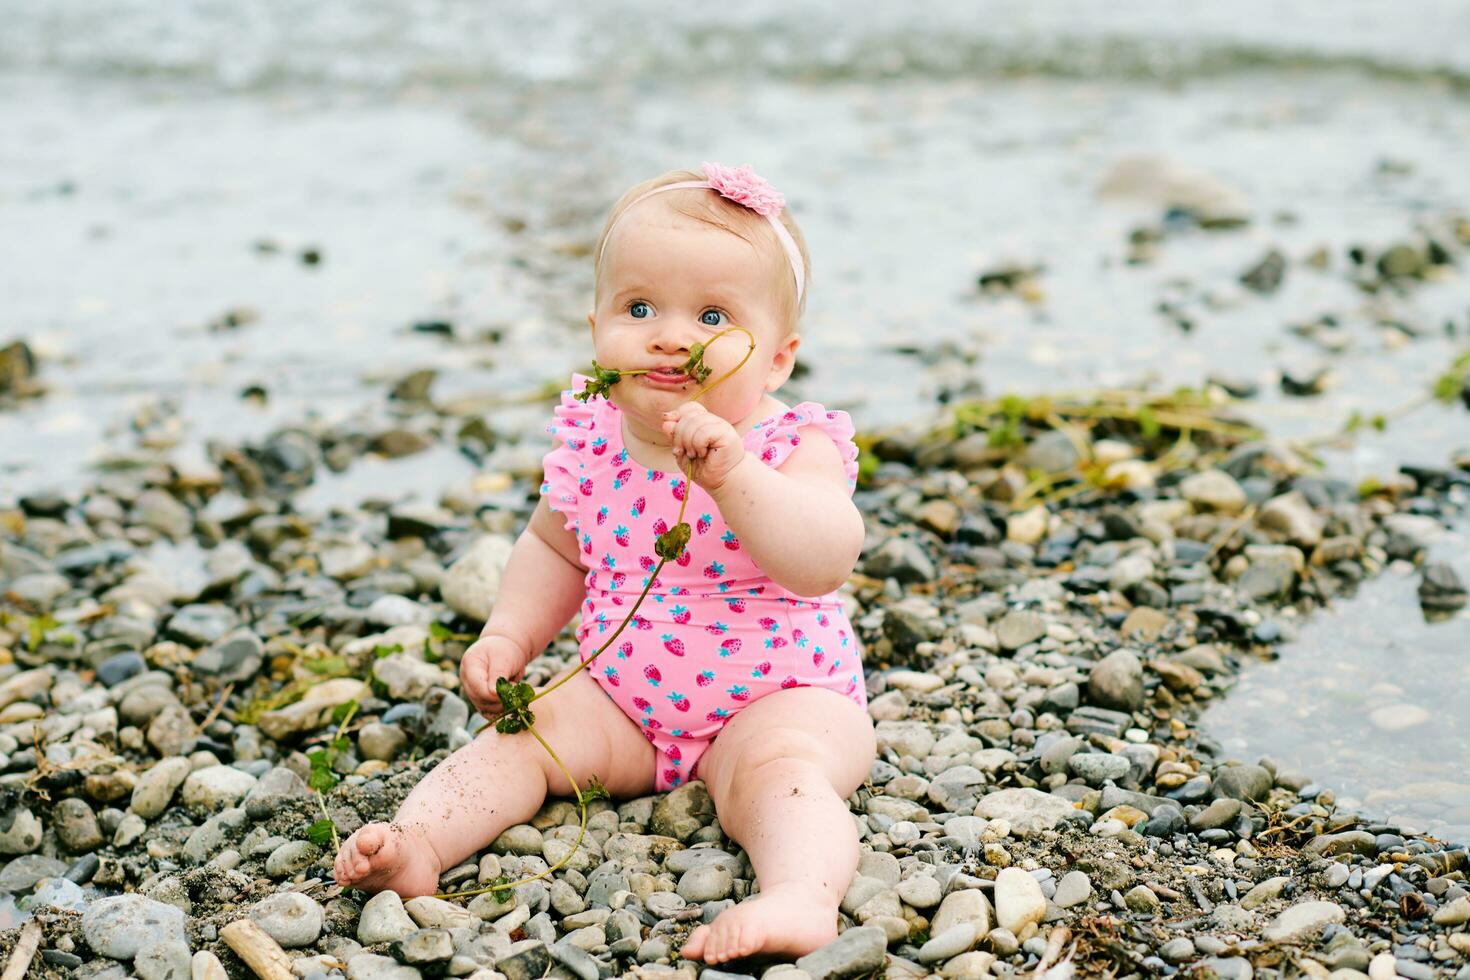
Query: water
point(164, 165)
point(1369, 701)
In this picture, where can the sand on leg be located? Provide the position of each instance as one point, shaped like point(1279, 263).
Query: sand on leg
point(780, 774)
point(495, 782)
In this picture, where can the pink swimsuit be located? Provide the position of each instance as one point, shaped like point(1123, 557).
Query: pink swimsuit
point(714, 633)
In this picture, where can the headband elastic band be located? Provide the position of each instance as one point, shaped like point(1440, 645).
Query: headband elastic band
point(743, 186)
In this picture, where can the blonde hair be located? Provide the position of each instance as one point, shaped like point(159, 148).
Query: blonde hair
point(723, 213)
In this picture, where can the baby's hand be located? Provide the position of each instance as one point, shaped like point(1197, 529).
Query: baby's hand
point(711, 444)
point(488, 658)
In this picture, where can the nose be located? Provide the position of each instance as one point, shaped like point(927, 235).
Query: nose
point(671, 337)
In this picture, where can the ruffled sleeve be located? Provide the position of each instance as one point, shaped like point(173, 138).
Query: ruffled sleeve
point(775, 439)
point(565, 483)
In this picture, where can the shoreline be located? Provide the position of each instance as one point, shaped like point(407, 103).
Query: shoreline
point(192, 600)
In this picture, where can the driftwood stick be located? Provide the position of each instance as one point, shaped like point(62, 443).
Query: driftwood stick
point(24, 951)
point(1055, 942)
point(259, 951)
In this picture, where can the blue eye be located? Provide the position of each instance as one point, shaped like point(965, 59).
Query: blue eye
point(640, 310)
point(711, 318)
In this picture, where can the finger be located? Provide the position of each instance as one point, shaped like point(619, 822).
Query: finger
point(711, 435)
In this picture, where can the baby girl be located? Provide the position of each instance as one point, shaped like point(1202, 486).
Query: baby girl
point(740, 667)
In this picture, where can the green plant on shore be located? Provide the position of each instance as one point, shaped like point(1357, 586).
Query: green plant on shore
point(1447, 386)
point(516, 697)
point(1180, 417)
point(323, 779)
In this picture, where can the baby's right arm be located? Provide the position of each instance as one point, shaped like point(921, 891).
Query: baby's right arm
point(541, 588)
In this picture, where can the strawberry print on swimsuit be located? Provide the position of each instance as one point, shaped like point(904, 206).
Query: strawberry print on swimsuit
point(714, 634)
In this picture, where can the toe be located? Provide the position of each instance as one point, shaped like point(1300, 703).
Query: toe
point(747, 942)
point(735, 942)
point(719, 944)
point(694, 948)
point(370, 839)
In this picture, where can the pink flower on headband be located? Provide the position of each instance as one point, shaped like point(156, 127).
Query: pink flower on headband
point(744, 186)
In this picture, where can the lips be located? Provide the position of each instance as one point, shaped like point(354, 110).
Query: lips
point(667, 375)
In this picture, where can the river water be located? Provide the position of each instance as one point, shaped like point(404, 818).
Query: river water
point(166, 166)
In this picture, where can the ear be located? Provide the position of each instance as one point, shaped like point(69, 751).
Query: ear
point(783, 362)
point(592, 321)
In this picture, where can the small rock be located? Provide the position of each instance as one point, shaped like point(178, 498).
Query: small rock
point(967, 906)
point(705, 884)
point(1455, 913)
point(1442, 589)
point(1016, 629)
point(1291, 516)
point(379, 741)
point(122, 925)
point(424, 946)
point(1227, 967)
point(1142, 900)
point(167, 960)
point(1027, 527)
point(408, 678)
point(1266, 275)
point(1383, 967)
point(1242, 783)
point(213, 788)
point(1346, 842)
point(1214, 490)
point(235, 658)
point(384, 920)
point(1116, 682)
point(201, 624)
point(683, 812)
point(1144, 624)
point(1178, 950)
point(948, 944)
point(23, 835)
point(436, 913)
point(1099, 767)
point(470, 585)
point(857, 952)
point(206, 966)
point(156, 787)
point(314, 709)
point(1074, 889)
point(1221, 813)
point(76, 826)
point(920, 892)
point(21, 874)
point(1028, 811)
point(290, 918)
point(902, 560)
point(1303, 922)
point(1018, 900)
point(1004, 942)
point(291, 857)
point(275, 789)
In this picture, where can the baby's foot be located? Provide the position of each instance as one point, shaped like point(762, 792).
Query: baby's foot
point(388, 856)
point(787, 920)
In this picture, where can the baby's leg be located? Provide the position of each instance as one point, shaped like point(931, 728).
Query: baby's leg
point(779, 774)
point(497, 781)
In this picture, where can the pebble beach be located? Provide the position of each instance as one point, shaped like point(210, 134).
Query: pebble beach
point(1165, 506)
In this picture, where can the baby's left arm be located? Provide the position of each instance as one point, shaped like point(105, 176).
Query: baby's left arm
point(798, 523)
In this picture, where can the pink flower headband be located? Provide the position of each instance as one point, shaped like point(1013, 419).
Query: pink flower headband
point(748, 189)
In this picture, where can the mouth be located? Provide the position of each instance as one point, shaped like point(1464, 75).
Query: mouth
point(667, 375)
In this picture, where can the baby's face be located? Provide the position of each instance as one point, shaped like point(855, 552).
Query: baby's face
point(670, 281)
